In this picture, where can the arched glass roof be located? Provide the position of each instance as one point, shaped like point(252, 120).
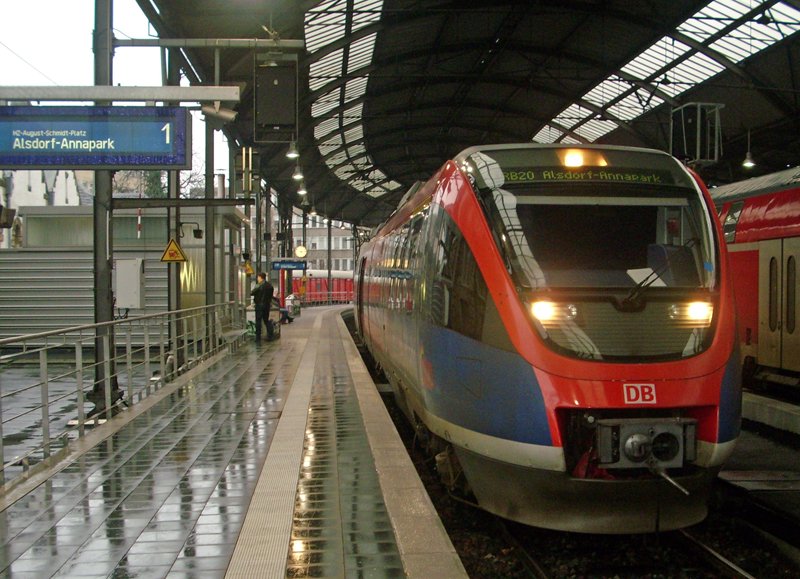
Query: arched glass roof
point(338, 130)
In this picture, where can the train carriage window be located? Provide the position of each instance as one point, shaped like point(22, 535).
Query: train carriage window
point(731, 220)
point(773, 294)
point(459, 288)
point(791, 294)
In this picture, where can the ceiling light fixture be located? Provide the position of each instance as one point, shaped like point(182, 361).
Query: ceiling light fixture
point(748, 162)
point(298, 174)
point(302, 189)
point(292, 153)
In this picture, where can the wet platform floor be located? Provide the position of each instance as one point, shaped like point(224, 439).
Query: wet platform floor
point(168, 494)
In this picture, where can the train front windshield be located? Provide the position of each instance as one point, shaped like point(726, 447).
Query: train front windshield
point(612, 250)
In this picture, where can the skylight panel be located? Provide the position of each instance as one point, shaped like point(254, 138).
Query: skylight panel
point(360, 162)
point(317, 37)
point(693, 70)
point(356, 150)
point(344, 173)
point(355, 88)
point(377, 176)
point(547, 135)
point(353, 113)
point(326, 127)
point(321, 107)
point(714, 17)
point(329, 21)
point(634, 105)
point(752, 37)
point(736, 49)
point(366, 13)
point(361, 184)
point(786, 19)
point(596, 128)
point(606, 91)
point(699, 30)
point(568, 140)
point(335, 160)
point(665, 64)
point(376, 192)
point(325, 70)
point(655, 58)
point(325, 23)
point(572, 115)
point(354, 134)
point(361, 53)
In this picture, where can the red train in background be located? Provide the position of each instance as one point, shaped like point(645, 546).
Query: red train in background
point(761, 223)
point(313, 286)
point(558, 324)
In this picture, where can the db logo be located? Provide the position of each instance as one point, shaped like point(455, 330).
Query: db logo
point(640, 393)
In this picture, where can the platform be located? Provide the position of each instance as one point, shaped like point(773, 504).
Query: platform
point(763, 468)
point(276, 460)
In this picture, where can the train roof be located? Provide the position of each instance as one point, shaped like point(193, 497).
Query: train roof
point(509, 146)
point(756, 186)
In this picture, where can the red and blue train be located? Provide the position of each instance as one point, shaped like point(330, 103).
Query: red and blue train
point(558, 324)
point(761, 223)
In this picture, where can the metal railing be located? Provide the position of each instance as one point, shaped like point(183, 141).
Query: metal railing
point(47, 379)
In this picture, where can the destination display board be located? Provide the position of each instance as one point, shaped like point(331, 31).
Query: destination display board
point(596, 174)
point(95, 137)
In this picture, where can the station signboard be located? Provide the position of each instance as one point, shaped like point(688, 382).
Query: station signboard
point(279, 264)
point(95, 137)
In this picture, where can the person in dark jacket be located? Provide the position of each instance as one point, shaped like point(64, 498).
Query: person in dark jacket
point(262, 298)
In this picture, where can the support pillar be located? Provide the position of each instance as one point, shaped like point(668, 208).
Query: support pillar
point(103, 47)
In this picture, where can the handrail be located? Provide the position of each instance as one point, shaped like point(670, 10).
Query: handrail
point(74, 329)
point(51, 378)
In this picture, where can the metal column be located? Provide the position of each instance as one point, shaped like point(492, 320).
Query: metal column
point(102, 220)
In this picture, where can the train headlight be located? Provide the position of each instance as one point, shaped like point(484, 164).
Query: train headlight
point(550, 313)
point(544, 311)
point(700, 312)
point(697, 314)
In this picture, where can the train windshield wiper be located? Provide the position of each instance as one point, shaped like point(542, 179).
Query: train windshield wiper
point(636, 292)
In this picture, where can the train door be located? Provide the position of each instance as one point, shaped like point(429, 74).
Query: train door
point(791, 333)
point(769, 303)
point(779, 336)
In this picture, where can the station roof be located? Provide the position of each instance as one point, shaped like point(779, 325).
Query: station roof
point(390, 89)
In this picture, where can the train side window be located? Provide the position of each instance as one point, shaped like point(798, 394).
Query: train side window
point(773, 294)
point(791, 293)
point(468, 301)
point(731, 220)
point(459, 290)
point(443, 279)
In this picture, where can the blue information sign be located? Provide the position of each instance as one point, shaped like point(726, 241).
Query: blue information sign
point(95, 137)
point(288, 264)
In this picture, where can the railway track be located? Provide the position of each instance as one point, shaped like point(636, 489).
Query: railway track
point(715, 559)
point(670, 554)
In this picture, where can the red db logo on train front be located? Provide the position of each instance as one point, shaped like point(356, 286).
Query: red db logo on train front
point(640, 393)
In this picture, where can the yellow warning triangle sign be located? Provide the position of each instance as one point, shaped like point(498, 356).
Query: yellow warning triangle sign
point(173, 252)
point(248, 269)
